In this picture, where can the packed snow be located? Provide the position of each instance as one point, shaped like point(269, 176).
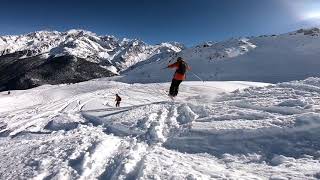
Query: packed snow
point(212, 130)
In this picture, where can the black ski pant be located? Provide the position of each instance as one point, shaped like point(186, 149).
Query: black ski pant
point(174, 88)
point(118, 104)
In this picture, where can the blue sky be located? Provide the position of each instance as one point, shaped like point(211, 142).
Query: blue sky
point(154, 21)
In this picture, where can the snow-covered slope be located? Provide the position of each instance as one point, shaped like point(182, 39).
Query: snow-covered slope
point(116, 54)
point(274, 58)
point(213, 130)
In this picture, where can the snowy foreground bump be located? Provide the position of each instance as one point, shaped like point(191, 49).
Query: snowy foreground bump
point(213, 130)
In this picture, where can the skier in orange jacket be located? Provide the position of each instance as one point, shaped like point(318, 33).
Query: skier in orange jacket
point(181, 68)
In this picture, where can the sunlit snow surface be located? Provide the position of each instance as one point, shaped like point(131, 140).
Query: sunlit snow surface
point(212, 130)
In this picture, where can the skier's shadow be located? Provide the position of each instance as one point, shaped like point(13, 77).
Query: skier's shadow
point(90, 114)
point(125, 107)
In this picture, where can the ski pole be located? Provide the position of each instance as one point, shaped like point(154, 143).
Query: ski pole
point(197, 76)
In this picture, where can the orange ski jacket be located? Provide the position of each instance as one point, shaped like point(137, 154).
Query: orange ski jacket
point(177, 75)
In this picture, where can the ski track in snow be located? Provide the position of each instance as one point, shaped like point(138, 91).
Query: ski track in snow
point(212, 130)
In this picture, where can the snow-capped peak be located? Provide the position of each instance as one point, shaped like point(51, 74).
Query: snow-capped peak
point(80, 31)
point(121, 54)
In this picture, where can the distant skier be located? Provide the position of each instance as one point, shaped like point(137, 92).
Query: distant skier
point(118, 99)
point(181, 68)
point(9, 92)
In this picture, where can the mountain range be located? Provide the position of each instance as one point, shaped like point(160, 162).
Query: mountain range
point(66, 57)
point(52, 57)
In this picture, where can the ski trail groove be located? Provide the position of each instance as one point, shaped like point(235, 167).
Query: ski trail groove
point(95, 162)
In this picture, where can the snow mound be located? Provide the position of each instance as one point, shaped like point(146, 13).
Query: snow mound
point(186, 114)
point(293, 102)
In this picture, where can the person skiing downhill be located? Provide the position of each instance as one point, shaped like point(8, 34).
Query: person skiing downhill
point(118, 100)
point(181, 68)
